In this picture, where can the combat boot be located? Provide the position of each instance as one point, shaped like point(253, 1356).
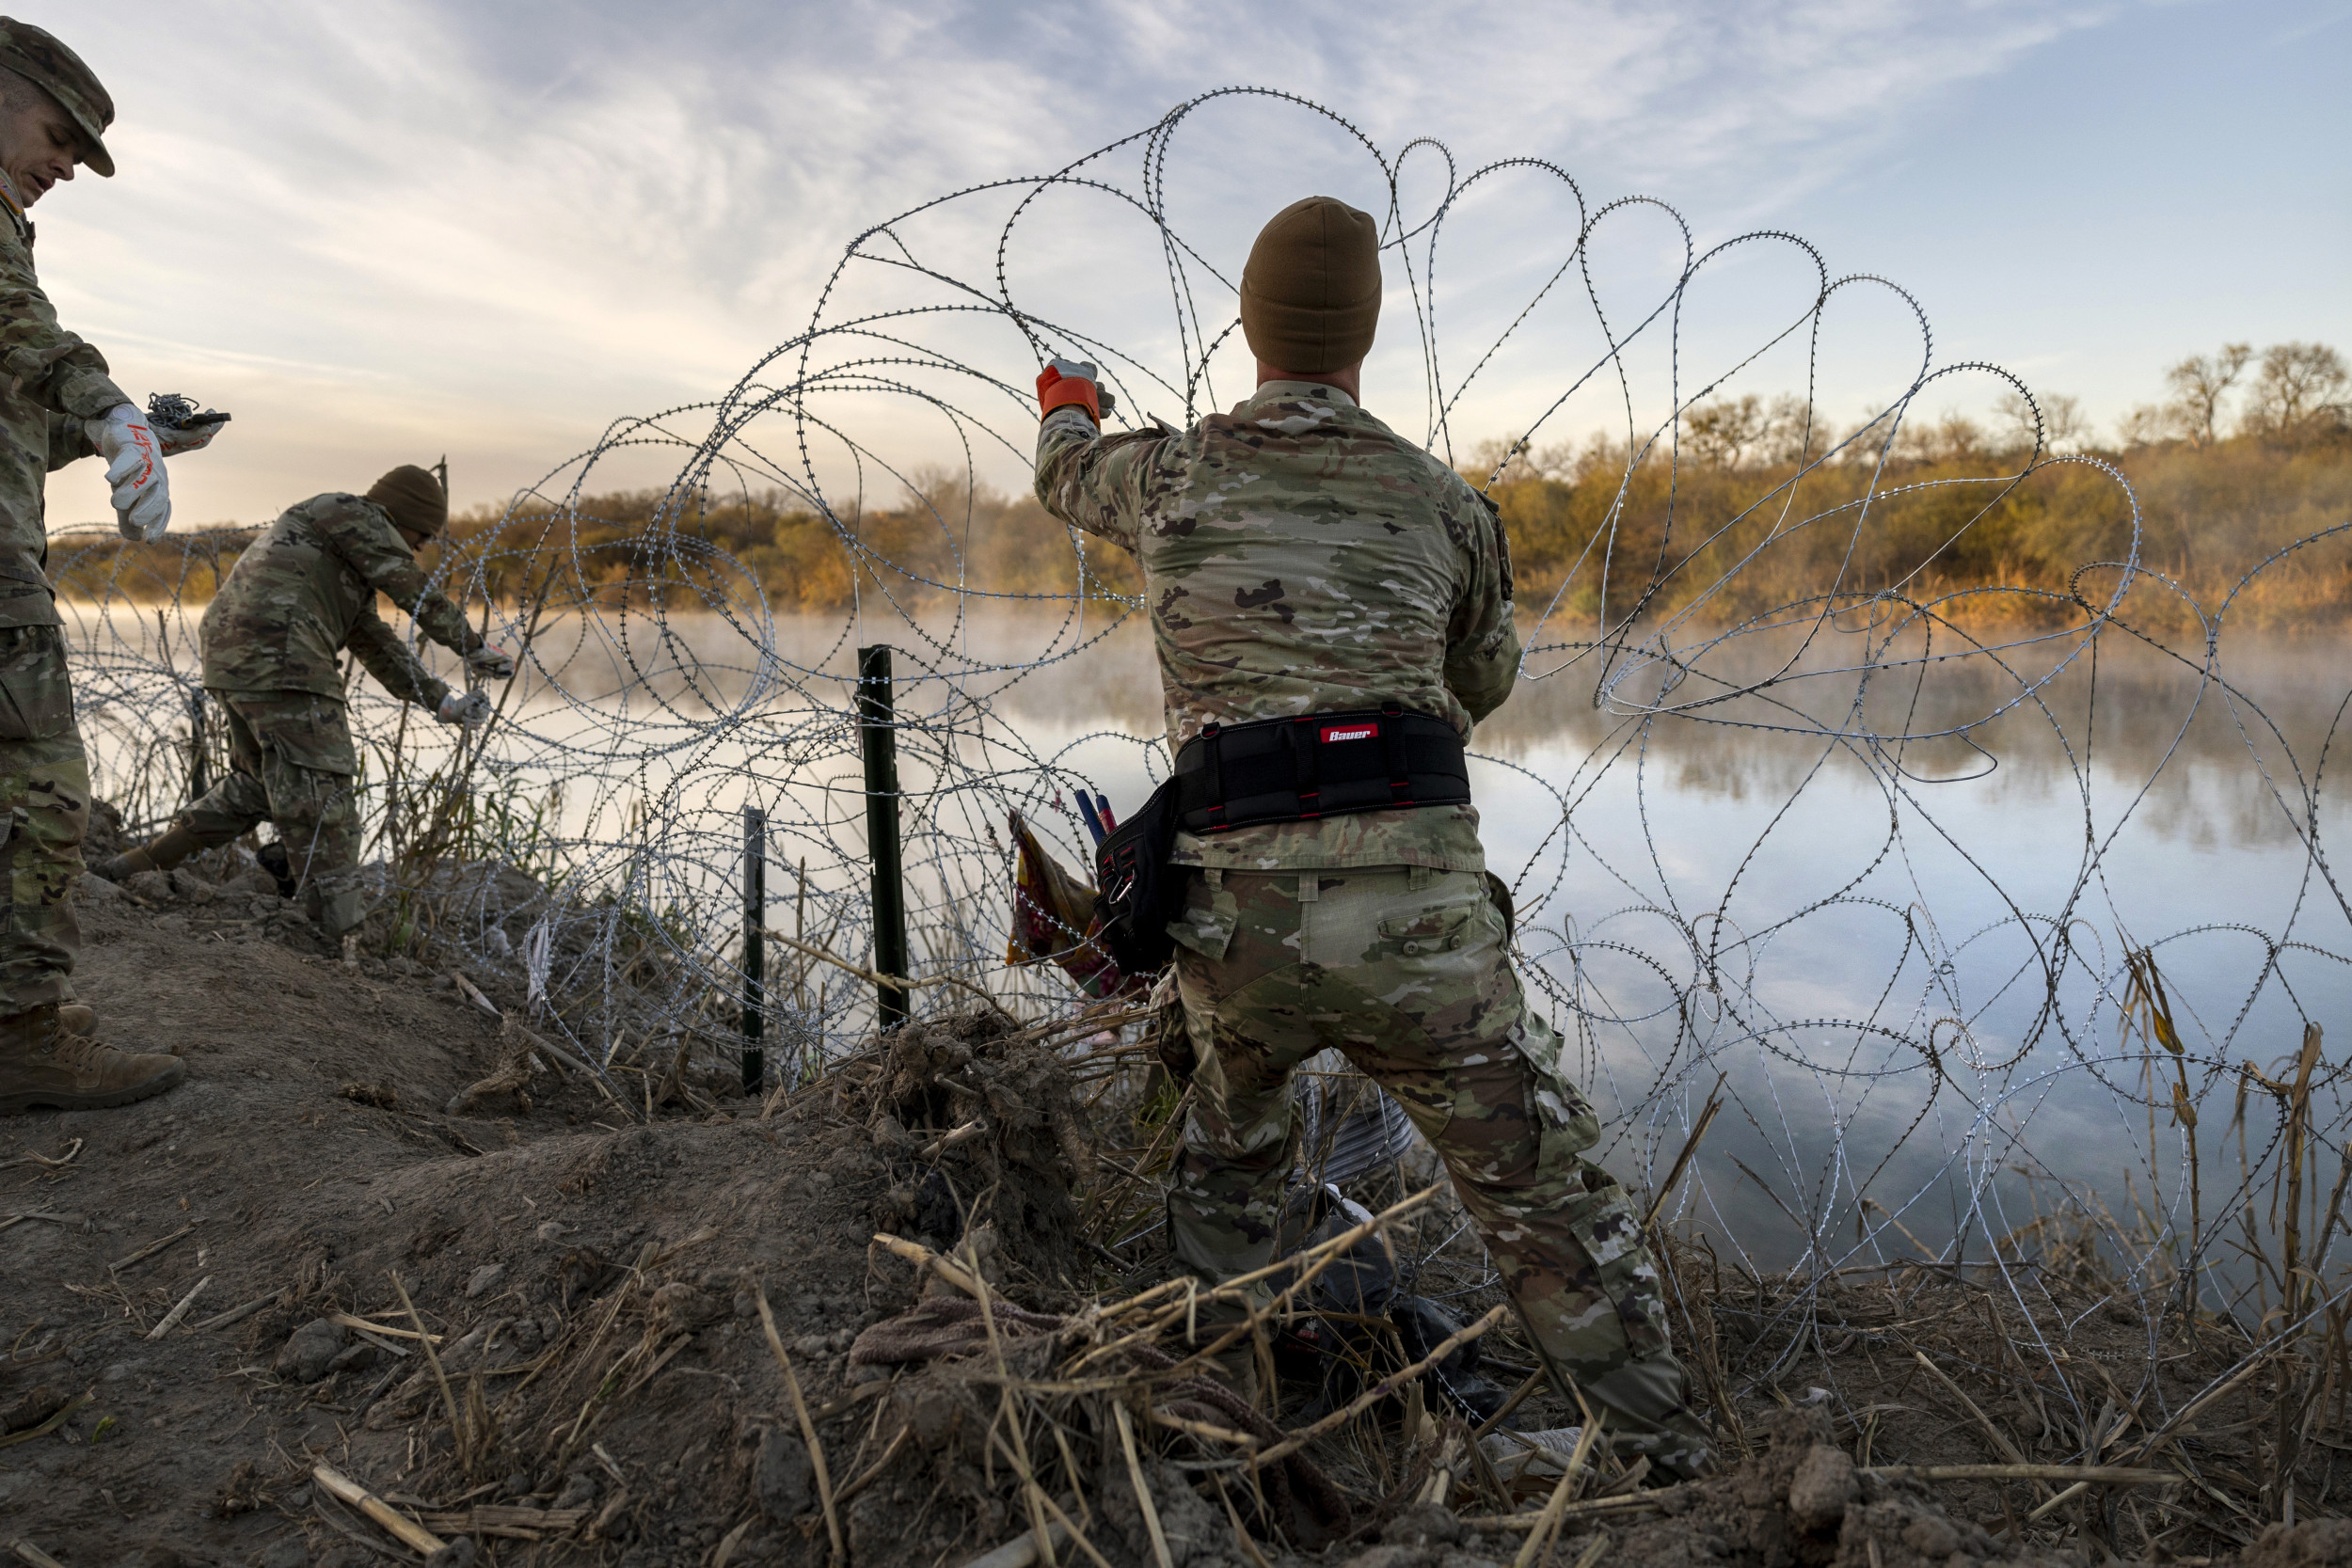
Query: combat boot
point(176, 844)
point(44, 1067)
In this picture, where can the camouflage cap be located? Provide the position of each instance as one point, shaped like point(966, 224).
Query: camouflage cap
point(57, 71)
point(414, 498)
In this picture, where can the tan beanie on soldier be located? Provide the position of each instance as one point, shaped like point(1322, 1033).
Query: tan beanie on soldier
point(1311, 292)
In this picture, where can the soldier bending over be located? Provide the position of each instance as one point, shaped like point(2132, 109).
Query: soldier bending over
point(1332, 611)
point(297, 598)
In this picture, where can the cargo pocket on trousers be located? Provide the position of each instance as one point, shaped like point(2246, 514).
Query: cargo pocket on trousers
point(1600, 1214)
point(1211, 916)
point(1571, 1125)
point(310, 736)
point(36, 696)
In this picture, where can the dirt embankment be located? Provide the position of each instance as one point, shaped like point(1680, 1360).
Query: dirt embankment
point(597, 1283)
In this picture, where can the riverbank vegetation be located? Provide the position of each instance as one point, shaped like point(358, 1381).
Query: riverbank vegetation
point(1747, 504)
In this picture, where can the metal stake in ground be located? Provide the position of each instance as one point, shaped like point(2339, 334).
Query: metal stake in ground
point(755, 948)
point(878, 738)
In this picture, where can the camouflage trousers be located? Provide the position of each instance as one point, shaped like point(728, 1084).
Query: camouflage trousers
point(291, 763)
point(1406, 972)
point(44, 811)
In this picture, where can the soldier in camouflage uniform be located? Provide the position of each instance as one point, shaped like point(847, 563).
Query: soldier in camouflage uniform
point(57, 404)
point(1301, 558)
point(299, 595)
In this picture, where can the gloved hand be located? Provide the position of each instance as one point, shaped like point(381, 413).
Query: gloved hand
point(490, 662)
point(177, 438)
point(469, 708)
point(135, 466)
point(1071, 383)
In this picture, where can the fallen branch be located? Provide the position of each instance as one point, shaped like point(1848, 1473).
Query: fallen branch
point(24, 1551)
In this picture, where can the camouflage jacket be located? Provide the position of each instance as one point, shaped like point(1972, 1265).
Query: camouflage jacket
point(1300, 556)
point(54, 381)
point(305, 589)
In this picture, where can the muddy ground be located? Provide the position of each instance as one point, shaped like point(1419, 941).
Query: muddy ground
point(604, 1390)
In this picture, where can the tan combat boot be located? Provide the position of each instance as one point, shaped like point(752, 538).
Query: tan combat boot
point(45, 1068)
point(176, 845)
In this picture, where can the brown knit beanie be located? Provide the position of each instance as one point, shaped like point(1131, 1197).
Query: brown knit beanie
point(1310, 294)
point(414, 498)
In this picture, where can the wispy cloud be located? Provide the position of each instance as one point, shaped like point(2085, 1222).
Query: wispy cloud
point(384, 232)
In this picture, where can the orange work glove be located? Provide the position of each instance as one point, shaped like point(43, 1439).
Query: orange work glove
point(1071, 384)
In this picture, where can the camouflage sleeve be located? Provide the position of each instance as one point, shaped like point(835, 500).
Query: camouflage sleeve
point(1092, 481)
point(1482, 655)
point(68, 441)
point(52, 367)
point(361, 532)
point(387, 658)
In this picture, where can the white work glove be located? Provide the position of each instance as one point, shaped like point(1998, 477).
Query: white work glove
point(490, 662)
point(469, 708)
point(135, 466)
point(179, 439)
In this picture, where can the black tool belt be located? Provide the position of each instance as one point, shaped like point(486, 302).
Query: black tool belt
point(1318, 764)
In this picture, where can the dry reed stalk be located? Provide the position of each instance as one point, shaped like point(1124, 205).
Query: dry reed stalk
point(410, 1533)
point(1240, 1536)
point(1690, 1147)
point(1032, 1494)
point(808, 1428)
point(171, 1318)
point(1539, 1540)
point(1378, 1391)
point(924, 1259)
point(1143, 1492)
point(456, 1417)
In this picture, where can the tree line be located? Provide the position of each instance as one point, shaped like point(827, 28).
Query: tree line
point(1741, 505)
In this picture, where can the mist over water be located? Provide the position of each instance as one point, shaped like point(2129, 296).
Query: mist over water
point(1884, 898)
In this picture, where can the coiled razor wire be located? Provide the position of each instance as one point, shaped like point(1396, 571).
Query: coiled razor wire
point(2001, 1062)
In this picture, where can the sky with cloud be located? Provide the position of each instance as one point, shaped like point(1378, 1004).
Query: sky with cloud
point(379, 234)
